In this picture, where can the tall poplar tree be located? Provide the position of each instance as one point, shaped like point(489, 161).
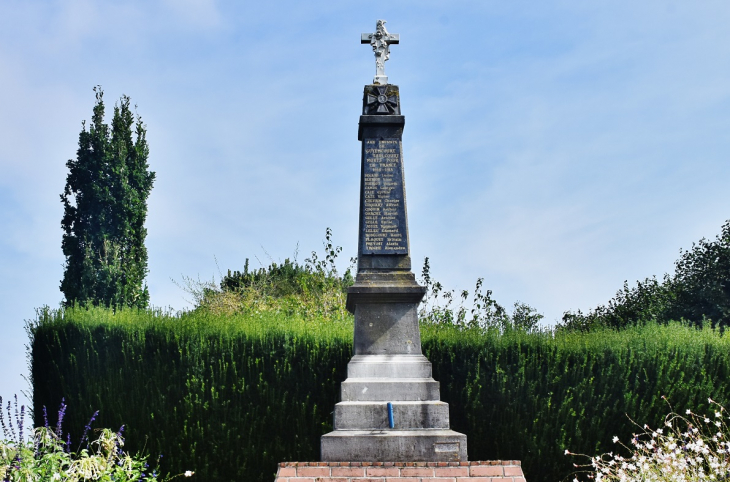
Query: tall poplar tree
point(105, 207)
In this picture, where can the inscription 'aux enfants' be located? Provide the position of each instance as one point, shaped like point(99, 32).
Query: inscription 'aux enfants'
point(384, 213)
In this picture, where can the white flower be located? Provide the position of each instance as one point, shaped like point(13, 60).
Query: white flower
point(717, 414)
point(189, 473)
point(707, 420)
point(717, 423)
point(615, 439)
point(689, 411)
point(567, 451)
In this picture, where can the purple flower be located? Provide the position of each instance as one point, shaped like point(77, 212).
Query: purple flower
point(10, 423)
point(61, 413)
point(2, 419)
point(85, 437)
point(21, 420)
point(119, 438)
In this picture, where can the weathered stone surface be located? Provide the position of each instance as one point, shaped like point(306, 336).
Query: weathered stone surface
point(378, 286)
point(434, 445)
point(383, 227)
point(389, 389)
point(406, 415)
point(387, 329)
point(380, 41)
point(381, 100)
point(389, 366)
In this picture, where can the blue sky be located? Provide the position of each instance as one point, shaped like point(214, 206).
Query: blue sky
point(553, 148)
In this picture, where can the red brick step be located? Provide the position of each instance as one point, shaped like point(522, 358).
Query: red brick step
point(477, 471)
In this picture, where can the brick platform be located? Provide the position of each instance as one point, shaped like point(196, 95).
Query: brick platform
point(489, 471)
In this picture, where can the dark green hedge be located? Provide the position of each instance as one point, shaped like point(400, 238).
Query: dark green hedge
point(229, 398)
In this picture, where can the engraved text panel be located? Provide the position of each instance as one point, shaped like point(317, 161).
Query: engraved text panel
point(383, 200)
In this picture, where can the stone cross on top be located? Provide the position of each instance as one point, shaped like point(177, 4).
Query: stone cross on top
point(381, 41)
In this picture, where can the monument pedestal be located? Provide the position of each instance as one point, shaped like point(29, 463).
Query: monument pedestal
point(391, 411)
point(390, 424)
point(390, 408)
point(490, 471)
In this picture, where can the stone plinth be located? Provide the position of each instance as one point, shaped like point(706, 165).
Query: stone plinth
point(390, 408)
point(488, 471)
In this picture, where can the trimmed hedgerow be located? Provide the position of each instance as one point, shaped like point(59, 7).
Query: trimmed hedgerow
point(230, 396)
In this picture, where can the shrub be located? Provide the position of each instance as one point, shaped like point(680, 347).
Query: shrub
point(439, 308)
point(313, 289)
point(699, 290)
point(695, 447)
point(46, 456)
point(235, 395)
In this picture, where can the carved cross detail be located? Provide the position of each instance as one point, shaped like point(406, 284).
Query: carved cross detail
point(381, 41)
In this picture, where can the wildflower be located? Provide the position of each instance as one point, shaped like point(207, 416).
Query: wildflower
point(717, 414)
point(688, 412)
point(189, 473)
point(61, 413)
point(615, 439)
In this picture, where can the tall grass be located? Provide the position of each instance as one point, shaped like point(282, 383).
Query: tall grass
point(230, 396)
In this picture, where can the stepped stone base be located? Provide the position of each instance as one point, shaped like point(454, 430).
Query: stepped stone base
point(374, 415)
point(431, 445)
point(420, 430)
point(489, 471)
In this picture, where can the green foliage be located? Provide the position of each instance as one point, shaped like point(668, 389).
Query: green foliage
point(46, 456)
point(698, 290)
point(531, 396)
point(314, 288)
point(694, 448)
point(702, 280)
point(105, 207)
point(228, 396)
point(231, 396)
point(439, 308)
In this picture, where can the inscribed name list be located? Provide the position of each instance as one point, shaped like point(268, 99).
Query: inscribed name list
point(383, 198)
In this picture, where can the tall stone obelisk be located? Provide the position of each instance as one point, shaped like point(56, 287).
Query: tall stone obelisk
point(390, 409)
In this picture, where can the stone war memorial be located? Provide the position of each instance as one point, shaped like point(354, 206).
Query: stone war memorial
point(390, 424)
